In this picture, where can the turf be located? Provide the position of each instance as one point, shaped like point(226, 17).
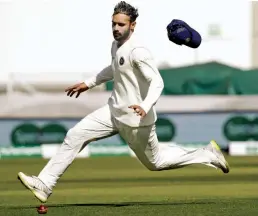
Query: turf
point(122, 186)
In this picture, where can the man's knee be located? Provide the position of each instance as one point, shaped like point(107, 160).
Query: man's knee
point(76, 137)
point(72, 134)
point(154, 166)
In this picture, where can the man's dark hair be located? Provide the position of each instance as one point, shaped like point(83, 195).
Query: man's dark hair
point(127, 9)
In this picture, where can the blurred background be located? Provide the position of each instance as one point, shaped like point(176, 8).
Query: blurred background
point(210, 92)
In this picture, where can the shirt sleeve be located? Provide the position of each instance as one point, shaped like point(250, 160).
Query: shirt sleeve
point(103, 76)
point(143, 60)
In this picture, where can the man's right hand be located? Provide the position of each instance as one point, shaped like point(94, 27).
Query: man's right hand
point(78, 88)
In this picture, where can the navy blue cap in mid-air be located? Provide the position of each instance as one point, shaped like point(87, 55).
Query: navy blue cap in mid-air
point(179, 32)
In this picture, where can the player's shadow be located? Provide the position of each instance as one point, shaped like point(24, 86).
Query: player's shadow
point(124, 204)
point(120, 204)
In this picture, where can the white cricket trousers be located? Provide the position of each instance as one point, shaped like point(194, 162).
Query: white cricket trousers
point(142, 140)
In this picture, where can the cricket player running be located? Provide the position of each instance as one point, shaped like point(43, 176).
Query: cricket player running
point(130, 112)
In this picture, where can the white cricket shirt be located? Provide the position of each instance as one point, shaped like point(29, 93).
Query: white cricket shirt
point(137, 81)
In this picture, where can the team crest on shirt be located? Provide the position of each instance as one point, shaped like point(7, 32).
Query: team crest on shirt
point(121, 61)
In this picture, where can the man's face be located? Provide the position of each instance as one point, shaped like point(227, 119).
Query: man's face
point(121, 27)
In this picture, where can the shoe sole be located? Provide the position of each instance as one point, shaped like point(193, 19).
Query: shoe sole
point(224, 165)
point(35, 192)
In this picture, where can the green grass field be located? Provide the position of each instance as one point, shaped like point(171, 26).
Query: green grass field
point(122, 186)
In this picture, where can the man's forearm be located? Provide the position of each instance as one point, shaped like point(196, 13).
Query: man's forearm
point(152, 75)
point(143, 60)
point(103, 76)
point(154, 92)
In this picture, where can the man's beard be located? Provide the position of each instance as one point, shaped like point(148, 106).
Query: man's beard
point(121, 37)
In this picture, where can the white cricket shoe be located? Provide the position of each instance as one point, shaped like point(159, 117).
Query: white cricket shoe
point(36, 186)
point(220, 161)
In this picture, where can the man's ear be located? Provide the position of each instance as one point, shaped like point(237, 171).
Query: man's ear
point(132, 26)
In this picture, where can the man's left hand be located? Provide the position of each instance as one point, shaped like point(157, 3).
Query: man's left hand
point(138, 110)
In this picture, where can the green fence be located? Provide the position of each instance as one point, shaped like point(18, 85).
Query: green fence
point(211, 78)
